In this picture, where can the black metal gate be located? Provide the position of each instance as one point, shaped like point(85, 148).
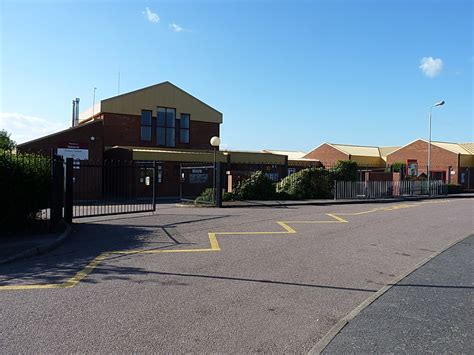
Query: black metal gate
point(110, 187)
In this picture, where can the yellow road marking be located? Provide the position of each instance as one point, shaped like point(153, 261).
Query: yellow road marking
point(79, 276)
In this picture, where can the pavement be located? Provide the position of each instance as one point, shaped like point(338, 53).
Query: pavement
point(430, 311)
point(321, 202)
point(217, 280)
point(20, 246)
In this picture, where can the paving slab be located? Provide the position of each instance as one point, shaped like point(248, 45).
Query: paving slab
point(430, 311)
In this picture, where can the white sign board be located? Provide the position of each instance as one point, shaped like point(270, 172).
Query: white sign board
point(80, 154)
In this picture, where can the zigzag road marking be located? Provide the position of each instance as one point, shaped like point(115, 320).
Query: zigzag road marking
point(214, 245)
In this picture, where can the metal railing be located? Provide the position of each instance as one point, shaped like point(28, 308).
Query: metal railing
point(387, 189)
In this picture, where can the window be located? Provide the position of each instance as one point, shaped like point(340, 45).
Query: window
point(165, 127)
point(184, 128)
point(145, 131)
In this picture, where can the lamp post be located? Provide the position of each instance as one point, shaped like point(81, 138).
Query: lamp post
point(440, 103)
point(215, 142)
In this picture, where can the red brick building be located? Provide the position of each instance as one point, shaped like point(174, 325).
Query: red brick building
point(450, 162)
point(161, 124)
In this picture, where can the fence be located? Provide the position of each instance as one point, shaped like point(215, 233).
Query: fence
point(387, 189)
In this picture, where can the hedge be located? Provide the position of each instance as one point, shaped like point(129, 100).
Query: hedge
point(25, 183)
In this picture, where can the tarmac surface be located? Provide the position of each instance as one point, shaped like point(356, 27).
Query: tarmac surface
point(430, 311)
point(217, 280)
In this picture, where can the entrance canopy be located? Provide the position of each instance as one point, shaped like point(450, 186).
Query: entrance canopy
point(194, 156)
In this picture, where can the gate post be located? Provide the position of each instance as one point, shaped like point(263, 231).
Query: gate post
point(218, 185)
point(68, 193)
point(57, 190)
point(154, 184)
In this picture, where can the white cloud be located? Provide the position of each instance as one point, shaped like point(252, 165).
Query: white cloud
point(25, 128)
point(430, 66)
point(176, 28)
point(150, 15)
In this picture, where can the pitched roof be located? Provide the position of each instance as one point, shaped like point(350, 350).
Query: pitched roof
point(292, 155)
point(360, 150)
point(133, 102)
point(469, 147)
point(457, 148)
point(454, 147)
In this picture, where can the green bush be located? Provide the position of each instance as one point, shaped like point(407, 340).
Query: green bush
point(307, 183)
point(257, 187)
point(454, 188)
point(207, 196)
point(25, 183)
point(228, 196)
point(344, 170)
point(397, 167)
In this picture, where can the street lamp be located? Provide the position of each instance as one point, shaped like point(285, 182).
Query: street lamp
point(215, 142)
point(440, 103)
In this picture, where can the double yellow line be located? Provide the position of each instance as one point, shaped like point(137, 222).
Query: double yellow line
point(214, 246)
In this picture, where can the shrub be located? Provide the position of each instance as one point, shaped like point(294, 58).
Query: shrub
point(344, 170)
point(256, 187)
point(25, 183)
point(397, 167)
point(307, 183)
point(205, 197)
point(227, 196)
point(454, 188)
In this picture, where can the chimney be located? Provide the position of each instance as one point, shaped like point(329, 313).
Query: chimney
point(75, 112)
point(76, 123)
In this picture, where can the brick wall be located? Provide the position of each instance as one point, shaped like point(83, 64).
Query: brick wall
point(327, 155)
point(441, 159)
point(80, 134)
point(124, 130)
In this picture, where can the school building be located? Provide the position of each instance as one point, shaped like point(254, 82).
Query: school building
point(450, 162)
point(164, 125)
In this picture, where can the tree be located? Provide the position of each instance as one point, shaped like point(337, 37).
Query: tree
point(6, 143)
point(345, 170)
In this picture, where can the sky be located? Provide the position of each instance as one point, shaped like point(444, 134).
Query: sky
point(286, 75)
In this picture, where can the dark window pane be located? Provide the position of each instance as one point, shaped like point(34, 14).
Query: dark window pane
point(160, 118)
point(146, 133)
point(184, 120)
point(170, 117)
point(170, 137)
point(146, 118)
point(184, 135)
point(160, 136)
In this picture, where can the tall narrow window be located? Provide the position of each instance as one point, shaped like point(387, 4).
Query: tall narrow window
point(184, 128)
point(145, 129)
point(165, 127)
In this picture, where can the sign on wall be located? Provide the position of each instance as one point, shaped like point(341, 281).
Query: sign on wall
point(79, 154)
point(75, 151)
point(412, 168)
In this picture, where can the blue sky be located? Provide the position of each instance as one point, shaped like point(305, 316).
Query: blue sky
point(285, 74)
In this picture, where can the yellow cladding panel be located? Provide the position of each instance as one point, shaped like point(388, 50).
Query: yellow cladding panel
point(200, 156)
point(177, 156)
point(256, 158)
point(373, 162)
point(466, 161)
point(165, 95)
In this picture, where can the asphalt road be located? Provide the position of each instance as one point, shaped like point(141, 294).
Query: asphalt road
point(430, 311)
point(271, 291)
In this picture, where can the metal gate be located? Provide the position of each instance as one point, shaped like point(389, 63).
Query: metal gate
point(194, 180)
point(110, 187)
